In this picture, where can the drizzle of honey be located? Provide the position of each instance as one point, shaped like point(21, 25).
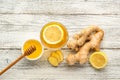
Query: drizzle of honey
point(37, 53)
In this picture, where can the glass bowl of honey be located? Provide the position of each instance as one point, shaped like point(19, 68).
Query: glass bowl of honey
point(54, 35)
point(37, 53)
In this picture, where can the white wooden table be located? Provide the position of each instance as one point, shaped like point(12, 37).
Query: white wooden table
point(23, 19)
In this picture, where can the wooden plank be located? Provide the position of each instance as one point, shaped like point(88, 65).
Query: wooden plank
point(15, 29)
point(8, 40)
point(70, 21)
point(23, 19)
point(42, 70)
point(60, 7)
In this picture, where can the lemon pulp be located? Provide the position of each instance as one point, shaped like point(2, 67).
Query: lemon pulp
point(54, 35)
point(98, 60)
point(37, 52)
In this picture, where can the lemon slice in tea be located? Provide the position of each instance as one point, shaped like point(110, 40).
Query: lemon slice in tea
point(54, 35)
point(98, 60)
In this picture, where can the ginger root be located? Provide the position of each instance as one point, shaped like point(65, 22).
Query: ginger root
point(53, 61)
point(83, 42)
point(55, 58)
point(82, 37)
point(59, 52)
point(54, 54)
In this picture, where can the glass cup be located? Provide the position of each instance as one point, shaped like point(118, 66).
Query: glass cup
point(54, 35)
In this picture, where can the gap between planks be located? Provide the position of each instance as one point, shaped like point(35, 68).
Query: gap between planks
point(61, 48)
point(57, 14)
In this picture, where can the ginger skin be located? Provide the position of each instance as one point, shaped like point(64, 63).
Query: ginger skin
point(82, 37)
point(93, 43)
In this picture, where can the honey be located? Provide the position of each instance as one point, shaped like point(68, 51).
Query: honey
point(54, 35)
point(37, 53)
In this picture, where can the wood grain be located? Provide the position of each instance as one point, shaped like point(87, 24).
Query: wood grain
point(23, 19)
point(26, 21)
point(42, 70)
point(20, 25)
point(60, 7)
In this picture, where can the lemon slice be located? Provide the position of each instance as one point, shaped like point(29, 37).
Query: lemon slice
point(53, 34)
point(98, 60)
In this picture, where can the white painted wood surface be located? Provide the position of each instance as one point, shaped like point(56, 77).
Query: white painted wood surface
point(23, 19)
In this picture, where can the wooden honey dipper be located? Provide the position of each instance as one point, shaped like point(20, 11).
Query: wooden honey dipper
point(30, 50)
